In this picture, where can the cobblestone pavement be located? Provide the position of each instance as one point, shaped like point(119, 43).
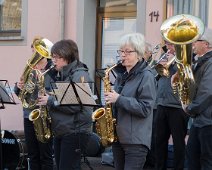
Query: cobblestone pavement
point(95, 164)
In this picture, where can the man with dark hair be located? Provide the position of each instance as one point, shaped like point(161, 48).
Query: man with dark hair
point(170, 117)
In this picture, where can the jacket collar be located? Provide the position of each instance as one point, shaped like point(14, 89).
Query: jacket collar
point(67, 69)
point(139, 67)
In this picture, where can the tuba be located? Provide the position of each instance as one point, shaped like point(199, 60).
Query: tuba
point(105, 123)
point(42, 49)
point(182, 30)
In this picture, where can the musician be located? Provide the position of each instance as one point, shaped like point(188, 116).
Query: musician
point(133, 100)
point(170, 118)
point(199, 146)
point(71, 125)
point(40, 154)
point(148, 52)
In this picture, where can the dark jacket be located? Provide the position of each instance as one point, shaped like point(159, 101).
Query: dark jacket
point(134, 107)
point(201, 106)
point(165, 94)
point(67, 119)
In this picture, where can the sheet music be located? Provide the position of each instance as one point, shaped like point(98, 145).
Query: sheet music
point(65, 93)
point(69, 97)
point(5, 93)
point(85, 93)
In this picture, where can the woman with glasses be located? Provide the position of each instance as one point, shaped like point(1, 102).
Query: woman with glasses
point(71, 125)
point(133, 100)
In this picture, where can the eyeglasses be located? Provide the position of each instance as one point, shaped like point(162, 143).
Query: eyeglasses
point(126, 52)
point(200, 40)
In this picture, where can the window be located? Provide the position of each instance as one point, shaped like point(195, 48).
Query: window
point(115, 18)
point(193, 7)
point(113, 3)
point(10, 18)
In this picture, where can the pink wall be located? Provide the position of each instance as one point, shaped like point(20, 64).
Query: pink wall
point(70, 19)
point(44, 20)
point(154, 18)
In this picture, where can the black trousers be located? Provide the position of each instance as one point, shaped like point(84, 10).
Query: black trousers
point(129, 156)
point(199, 148)
point(170, 121)
point(40, 154)
point(68, 150)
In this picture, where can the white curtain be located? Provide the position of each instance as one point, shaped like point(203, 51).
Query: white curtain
point(197, 8)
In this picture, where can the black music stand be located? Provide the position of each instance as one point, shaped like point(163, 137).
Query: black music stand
point(101, 73)
point(0, 147)
point(70, 93)
point(76, 94)
point(5, 94)
point(5, 98)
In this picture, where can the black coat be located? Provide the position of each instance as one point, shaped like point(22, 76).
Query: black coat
point(134, 107)
point(69, 119)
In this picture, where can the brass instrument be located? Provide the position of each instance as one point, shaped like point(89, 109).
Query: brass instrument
point(182, 30)
point(105, 123)
point(33, 85)
point(163, 69)
point(42, 50)
point(155, 51)
point(40, 117)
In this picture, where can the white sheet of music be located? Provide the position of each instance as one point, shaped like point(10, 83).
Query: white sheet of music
point(65, 93)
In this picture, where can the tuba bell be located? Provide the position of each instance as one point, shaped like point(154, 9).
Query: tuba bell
point(42, 48)
point(182, 30)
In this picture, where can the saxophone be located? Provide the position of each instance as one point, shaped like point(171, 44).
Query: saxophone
point(105, 123)
point(40, 117)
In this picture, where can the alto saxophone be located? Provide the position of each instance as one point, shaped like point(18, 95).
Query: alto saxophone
point(40, 117)
point(105, 123)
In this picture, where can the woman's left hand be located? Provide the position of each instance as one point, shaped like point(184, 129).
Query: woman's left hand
point(111, 97)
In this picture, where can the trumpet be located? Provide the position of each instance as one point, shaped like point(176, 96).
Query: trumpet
point(154, 60)
point(163, 69)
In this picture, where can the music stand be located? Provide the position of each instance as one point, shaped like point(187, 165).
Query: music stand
point(70, 93)
point(76, 94)
point(0, 147)
point(5, 98)
point(5, 94)
point(101, 73)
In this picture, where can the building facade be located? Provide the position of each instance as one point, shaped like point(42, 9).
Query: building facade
point(96, 26)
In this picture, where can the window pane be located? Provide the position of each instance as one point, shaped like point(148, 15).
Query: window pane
point(113, 30)
point(193, 7)
point(10, 13)
point(112, 3)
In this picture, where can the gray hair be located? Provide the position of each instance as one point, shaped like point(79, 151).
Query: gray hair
point(207, 36)
point(136, 40)
point(148, 47)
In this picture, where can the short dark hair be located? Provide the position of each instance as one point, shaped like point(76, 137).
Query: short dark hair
point(66, 49)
